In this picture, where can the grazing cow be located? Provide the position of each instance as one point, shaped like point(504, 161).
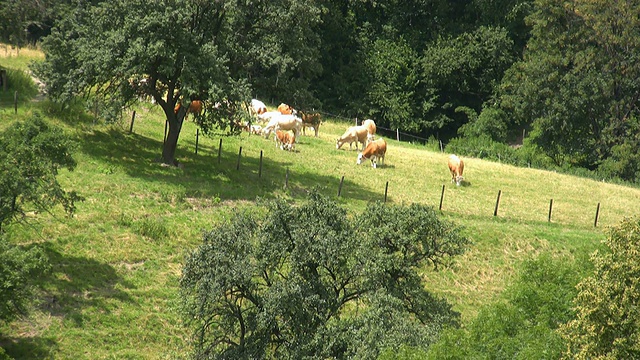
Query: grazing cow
point(195, 107)
point(354, 134)
point(312, 120)
point(283, 122)
point(371, 130)
point(285, 140)
point(266, 116)
point(285, 109)
point(257, 107)
point(375, 150)
point(456, 167)
point(370, 125)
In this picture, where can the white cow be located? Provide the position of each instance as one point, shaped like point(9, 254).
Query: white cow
point(283, 122)
point(456, 167)
point(354, 134)
point(257, 107)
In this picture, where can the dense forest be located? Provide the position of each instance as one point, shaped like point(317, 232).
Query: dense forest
point(559, 78)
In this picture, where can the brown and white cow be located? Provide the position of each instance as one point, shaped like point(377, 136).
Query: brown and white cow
point(285, 140)
point(257, 107)
point(375, 150)
point(285, 109)
point(195, 107)
point(312, 120)
point(283, 122)
point(354, 134)
point(456, 167)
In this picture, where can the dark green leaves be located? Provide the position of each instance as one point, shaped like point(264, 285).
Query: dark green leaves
point(312, 281)
point(31, 154)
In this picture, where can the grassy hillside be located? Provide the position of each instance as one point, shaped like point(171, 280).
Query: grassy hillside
point(112, 292)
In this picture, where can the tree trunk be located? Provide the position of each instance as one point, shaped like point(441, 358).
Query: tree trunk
point(171, 143)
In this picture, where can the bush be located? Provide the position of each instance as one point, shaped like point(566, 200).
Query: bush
point(18, 267)
point(524, 325)
point(308, 281)
point(607, 322)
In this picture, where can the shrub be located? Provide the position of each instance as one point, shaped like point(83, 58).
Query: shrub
point(309, 281)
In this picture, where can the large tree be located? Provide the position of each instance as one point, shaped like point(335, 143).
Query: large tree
point(176, 51)
point(577, 86)
point(309, 281)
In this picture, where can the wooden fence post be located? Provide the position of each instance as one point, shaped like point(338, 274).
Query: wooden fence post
point(260, 169)
point(340, 186)
point(133, 118)
point(197, 139)
point(239, 155)
point(495, 212)
point(595, 223)
point(15, 101)
point(550, 207)
point(441, 197)
point(219, 150)
point(398, 134)
point(386, 187)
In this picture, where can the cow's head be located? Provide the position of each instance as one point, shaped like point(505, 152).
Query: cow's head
point(459, 180)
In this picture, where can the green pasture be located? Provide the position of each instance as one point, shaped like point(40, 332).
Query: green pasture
point(113, 289)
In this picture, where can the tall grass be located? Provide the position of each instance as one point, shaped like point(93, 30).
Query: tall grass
point(112, 292)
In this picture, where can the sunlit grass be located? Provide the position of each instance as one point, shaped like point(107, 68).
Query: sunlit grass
point(113, 290)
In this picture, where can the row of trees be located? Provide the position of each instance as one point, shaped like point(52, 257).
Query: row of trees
point(565, 72)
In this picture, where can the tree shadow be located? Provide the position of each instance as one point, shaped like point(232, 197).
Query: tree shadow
point(29, 348)
point(72, 285)
point(206, 174)
point(75, 283)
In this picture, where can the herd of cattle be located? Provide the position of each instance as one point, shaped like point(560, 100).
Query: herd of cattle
point(286, 123)
point(287, 126)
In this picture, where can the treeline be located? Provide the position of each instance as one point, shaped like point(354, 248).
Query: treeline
point(484, 72)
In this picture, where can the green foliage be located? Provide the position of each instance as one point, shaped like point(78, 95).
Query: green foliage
point(491, 122)
point(393, 68)
point(576, 84)
point(18, 81)
point(307, 281)
point(18, 268)
point(523, 326)
point(607, 322)
point(31, 155)
point(462, 72)
point(153, 228)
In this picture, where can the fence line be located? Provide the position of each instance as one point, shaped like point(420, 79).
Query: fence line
point(341, 183)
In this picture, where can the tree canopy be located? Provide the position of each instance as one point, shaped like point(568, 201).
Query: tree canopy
point(563, 73)
point(31, 154)
point(309, 281)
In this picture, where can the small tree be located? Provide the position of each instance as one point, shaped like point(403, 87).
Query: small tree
point(607, 325)
point(31, 154)
point(309, 281)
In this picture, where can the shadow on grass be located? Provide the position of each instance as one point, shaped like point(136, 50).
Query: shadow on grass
point(73, 285)
point(29, 348)
point(76, 283)
point(204, 176)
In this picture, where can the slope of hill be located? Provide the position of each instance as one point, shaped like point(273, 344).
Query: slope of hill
point(112, 292)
